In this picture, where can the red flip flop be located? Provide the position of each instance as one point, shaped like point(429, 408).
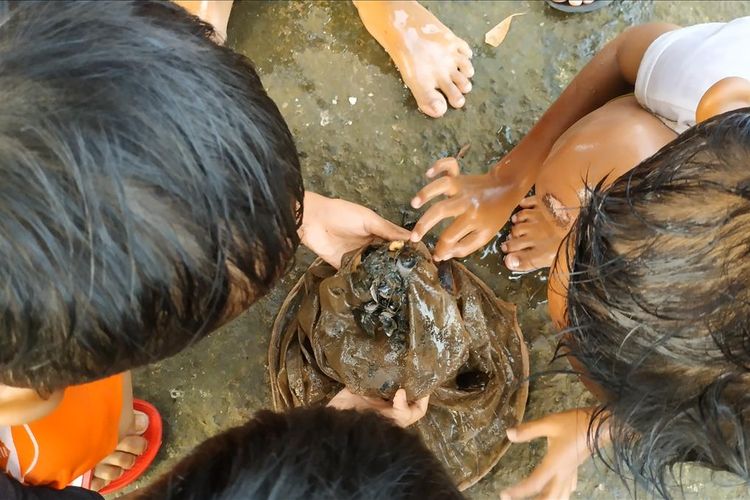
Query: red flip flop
point(153, 435)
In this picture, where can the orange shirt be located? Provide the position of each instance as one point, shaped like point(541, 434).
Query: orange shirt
point(59, 448)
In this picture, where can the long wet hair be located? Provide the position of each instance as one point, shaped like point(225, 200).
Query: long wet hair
point(308, 454)
point(144, 169)
point(659, 306)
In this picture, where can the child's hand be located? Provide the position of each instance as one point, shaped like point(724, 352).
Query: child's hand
point(556, 477)
point(333, 227)
point(399, 410)
point(480, 205)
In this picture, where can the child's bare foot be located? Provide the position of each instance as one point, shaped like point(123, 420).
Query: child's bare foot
point(124, 456)
point(575, 3)
point(534, 239)
point(429, 56)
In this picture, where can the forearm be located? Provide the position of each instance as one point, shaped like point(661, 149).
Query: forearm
point(609, 74)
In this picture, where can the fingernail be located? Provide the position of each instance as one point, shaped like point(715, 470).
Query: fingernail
point(415, 203)
point(511, 433)
point(430, 173)
point(513, 262)
point(513, 218)
point(414, 237)
point(140, 423)
point(504, 247)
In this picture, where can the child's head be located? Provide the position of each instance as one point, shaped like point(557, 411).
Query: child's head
point(658, 304)
point(313, 453)
point(149, 185)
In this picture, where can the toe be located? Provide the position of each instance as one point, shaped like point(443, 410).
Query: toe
point(575, 3)
point(463, 48)
point(527, 215)
point(515, 245)
point(454, 95)
point(120, 459)
point(140, 422)
point(97, 484)
point(588, 2)
point(464, 66)
point(430, 102)
point(528, 260)
point(528, 202)
point(520, 229)
point(134, 445)
point(108, 472)
point(463, 83)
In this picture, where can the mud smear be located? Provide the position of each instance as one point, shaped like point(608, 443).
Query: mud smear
point(391, 319)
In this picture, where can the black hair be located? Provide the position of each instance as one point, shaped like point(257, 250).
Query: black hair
point(308, 454)
point(144, 169)
point(659, 306)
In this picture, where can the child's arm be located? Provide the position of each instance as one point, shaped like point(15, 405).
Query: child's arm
point(481, 204)
point(568, 439)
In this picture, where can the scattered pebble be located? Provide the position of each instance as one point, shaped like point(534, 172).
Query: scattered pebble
point(370, 94)
point(335, 100)
point(349, 122)
point(352, 100)
point(325, 118)
point(176, 393)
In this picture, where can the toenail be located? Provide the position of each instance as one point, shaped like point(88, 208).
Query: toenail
point(512, 262)
point(504, 248)
point(438, 106)
point(513, 218)
point(141, 422)
point(415, 202)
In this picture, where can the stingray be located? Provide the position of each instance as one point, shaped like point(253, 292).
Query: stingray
point(389, 319)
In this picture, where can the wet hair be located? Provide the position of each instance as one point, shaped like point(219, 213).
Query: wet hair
point(142, 167)
point(659, 306)
point(308, 454)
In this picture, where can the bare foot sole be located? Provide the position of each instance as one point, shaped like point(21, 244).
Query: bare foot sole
point(434, 63)
point(534, 239)
point(124, 456)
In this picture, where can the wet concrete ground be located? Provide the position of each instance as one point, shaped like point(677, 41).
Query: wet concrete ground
point(362, 138)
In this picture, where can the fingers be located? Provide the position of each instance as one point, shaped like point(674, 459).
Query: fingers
point(436, 213)
point(529, 486)
point(526, 431)
point(399, 400)
point(422, 405)
point(405, 414)
point(557, 489)
point(442, 186)
point(385, 229)
point(471, 244)
point(448, 166)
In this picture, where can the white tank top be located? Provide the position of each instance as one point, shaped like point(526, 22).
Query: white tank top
point(681, 65)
